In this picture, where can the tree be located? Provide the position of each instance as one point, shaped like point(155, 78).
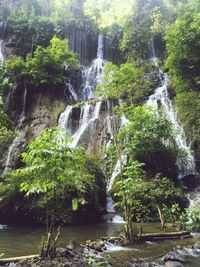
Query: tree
point(183, 63)
point(145, 20)
point(193, 213)
point(47, 66)
point(107, 13)
point(165, 196)
point(183, 50)
point(139, 197)
point(144, 139)
point(125, 82)
point(50, 166)
point(137, 193)
point(132, 197)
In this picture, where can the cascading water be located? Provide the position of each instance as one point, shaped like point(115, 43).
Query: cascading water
point(160, 99)
point(72, 92)
point(1, 53)
point(23, 113)
point(91, 77)
point(64, 118)
point(117, 170)
point(89, 113)
point(121, 162)
point(2, 33)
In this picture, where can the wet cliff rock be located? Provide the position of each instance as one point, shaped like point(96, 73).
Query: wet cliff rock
point(31, 111)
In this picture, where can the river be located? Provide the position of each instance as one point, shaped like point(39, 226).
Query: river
point(16, 241)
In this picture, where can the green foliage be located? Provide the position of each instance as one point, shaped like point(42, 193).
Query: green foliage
point(27, 33)
point(125, 81)
point(51, 164)
point(6, 129)
point(133, 193)
point(143, 139)
point(33, 23)
point(174, 216)
point(168, 201)
point(5, 123)
point(47, 66)
point(193, 214)
point(165, 190)
point(149, 18)
point(132, 196)
point(54, 175)
point(2, 254)
point(183, 49)
point(91, 261)
point(188, 108)
point(139, 197)
point(108, 13)
point(183, 63)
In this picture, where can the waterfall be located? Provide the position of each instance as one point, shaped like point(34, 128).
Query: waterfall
point(117, 170)
point(2, 34)
point(161, 99)
point(87, 118)
point(64, 118)
point(121, 162)
point(91, 77)
point(23, 113)
point(2, 30)
point(71, 90)
point(1, 52)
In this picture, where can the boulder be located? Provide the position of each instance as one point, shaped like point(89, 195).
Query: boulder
point(190, 181)
point(174, 256)
point(173, 264)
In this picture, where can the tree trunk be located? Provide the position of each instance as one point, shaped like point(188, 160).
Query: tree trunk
point(162, 221)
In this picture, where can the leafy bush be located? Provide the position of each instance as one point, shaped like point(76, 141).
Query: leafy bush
point(47, 66)
point(54, 174)
point(193, 214)
point(126, 81)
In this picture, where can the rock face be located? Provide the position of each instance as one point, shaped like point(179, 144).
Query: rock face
point(32, 111)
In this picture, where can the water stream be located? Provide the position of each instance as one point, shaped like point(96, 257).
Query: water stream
point(16, 241)
point(161, 99)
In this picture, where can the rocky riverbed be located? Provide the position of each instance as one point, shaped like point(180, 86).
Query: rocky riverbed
point(94, 251)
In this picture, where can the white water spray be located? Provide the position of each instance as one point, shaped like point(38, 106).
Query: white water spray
point(1, 51)
point(71, 91)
